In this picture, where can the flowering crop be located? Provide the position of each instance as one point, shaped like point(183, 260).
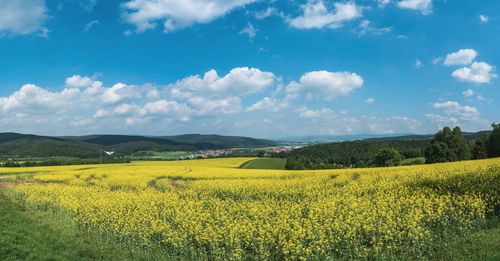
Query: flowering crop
point(214, 208)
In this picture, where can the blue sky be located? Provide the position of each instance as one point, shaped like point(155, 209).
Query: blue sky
point(247, 67)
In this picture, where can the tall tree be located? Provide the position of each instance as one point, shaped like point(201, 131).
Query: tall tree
point(446, 146)
point(479, 151)
point(494, 141)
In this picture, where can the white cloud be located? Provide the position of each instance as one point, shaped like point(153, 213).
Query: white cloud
point(307, 113)
point(391, 124)
point(239, 81)
point(91, 24)
point(165, 107)
point(453, 108)
point(250, 31)
point(31, 98)
point(455, 114)
point(437, 60)
point(483, 18)
point(176, 14)
point(365, 27)
point(21, 17)
point(383, 3)
point(424, 6)
point(267, 104)
point(77, 81)
point(270, 11)
point(207, 106)
point(460, 57)
point(316, 15)
point(119, 92)
point(326, 85)
point(468, 93)
point(418, 64)
point(442, 120)
point(370, 101)
point(330, 122)
point(478, 72)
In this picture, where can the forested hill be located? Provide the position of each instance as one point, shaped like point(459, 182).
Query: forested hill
point(25, 145)
point(221, 141)
point(329, 155)
point(335, 154)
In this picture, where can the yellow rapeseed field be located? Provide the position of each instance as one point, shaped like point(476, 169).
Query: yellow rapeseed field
point(214, 209)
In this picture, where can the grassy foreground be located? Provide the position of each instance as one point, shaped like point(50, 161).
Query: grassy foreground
point(29, 234)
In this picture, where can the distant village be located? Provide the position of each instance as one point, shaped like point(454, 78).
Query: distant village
point(203, 154)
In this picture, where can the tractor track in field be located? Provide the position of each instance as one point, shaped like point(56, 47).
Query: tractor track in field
point(5, 184)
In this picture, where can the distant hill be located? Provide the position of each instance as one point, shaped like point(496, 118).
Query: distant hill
point(21, 145)
point(27, 145)
point(221, 141)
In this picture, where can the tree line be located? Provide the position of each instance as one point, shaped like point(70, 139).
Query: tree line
point(449, 145)
point(446, 146)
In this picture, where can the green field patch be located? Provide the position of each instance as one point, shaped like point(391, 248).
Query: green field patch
point(266, 163)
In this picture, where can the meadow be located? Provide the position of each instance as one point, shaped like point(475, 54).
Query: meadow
point(212, 209)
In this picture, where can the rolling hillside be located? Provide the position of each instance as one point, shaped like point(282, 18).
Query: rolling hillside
point(26, 145)
point(221, 141)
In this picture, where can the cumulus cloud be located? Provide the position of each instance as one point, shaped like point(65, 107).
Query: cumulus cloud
point(268, 104)
point(176, 14)
point(453, 108)
point(326, 85)
point(77, 81)
point(307, 113)
point(315, 15)
point(85, 102)
point(424, 6)
point(483, 18)
point(328, 121)
point(454, 113)
point(239, 81)
point(21, 17)
point(460, 57)
point(478, 72)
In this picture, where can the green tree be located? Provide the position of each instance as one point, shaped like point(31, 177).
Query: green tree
point(479, 151)
point(446, 146)
point(493, 146)
point(387, 157)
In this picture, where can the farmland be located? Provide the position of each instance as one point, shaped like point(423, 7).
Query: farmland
point(219, 211)
point(264, 164)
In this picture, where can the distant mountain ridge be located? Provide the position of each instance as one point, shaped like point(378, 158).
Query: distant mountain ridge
point(28, 145)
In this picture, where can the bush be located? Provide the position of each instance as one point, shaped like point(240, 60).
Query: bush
point(387, 157)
